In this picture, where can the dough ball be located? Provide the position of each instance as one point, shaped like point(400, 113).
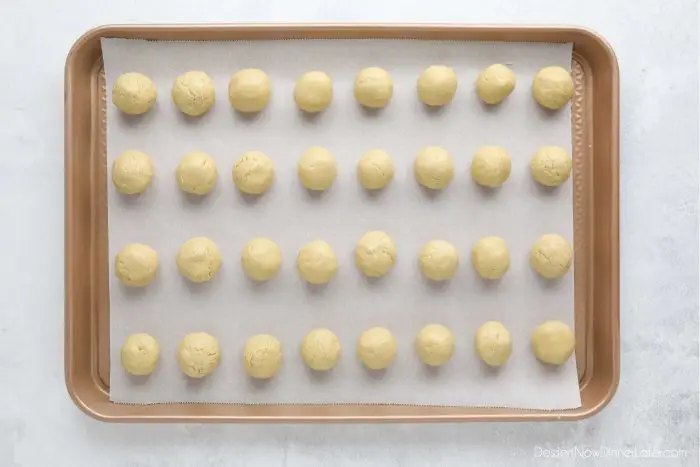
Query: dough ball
point(317, 169)
point(550, 256)
point(375, 170)
point(490, 257)
point(140, 354)
point(374, 87)
point(495, 83)
point(198, 354)
point(133, 93)
point(132, 172)
point(439, 260)
point(253, 173)
point(437, 85)
point(375, 253)
point(553, 342)
point(493, 344)
point(193, 93)
point(491, 166)
point(261, 259)
point(199, 259)
point(376, 348)
point(196, 174)
point(320, 349)
point(313, 91)
point(550, 166)
point(136, 265)
point(435, 344)
point(249, 90)
point(316, 262)
point(434, 168)
point(552, 87)
point(262, 356)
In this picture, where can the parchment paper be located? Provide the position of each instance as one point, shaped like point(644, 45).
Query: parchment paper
point(232, 308)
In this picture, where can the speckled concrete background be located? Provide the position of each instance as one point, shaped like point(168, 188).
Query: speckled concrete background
point(657, 403)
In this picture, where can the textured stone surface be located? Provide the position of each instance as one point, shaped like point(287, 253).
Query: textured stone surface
point(657, 402)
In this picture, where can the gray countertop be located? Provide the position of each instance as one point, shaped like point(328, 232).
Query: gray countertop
point(656, 406)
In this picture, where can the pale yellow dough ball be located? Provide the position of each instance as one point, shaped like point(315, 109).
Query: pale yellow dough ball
point(317, 262)
point(490, 257)
point(553, 342)
point(313, 91)
point(199, 259)
point(317, 169)
point(375, 170)
point(434, 168)
point(133, 93)
point(374, 87)
point(439, 260)
point(320, 349)
point(261, 259)
point(262, 356)
point(493, 344)
point(491, 166)
point(552, 87)
point(198, 355)
point(376, 348)
point(437, 85)
point(435, 344)
point(140, 354)
point(550, 166)
point(249, 90)
point(253, 173)
point(196, 174)
point(495, 83)
point(551, 256)
point(136, 265)
point(193, 93)
point(132, 172)
point(375, 253)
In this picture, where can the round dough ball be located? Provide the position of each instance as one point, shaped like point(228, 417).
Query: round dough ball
point(253, 173)
point(490, 257)
point(495, 83)
point(132, 172)
point(140, 354)
point(199, 259)
point(437, 85)
point(434, 168)
point(550, 166)
point(196, 174)
point(134, 93)
point(316, 262)
point(193, 93)
point(317, 169)
point(198, 354)
point(320, 349)
point(249, 90)
point(550, 256)
point(435, 344)
point(552, 87)
point(553, 342)
point(261, 259)
point(262, 356)
point(313, 91)
point(136, 265)
point(439, 260)
point(374, 87)
point(375, 170)
point(493, 344)
point(375, 253)
point(376, 348)
point(491, 166)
